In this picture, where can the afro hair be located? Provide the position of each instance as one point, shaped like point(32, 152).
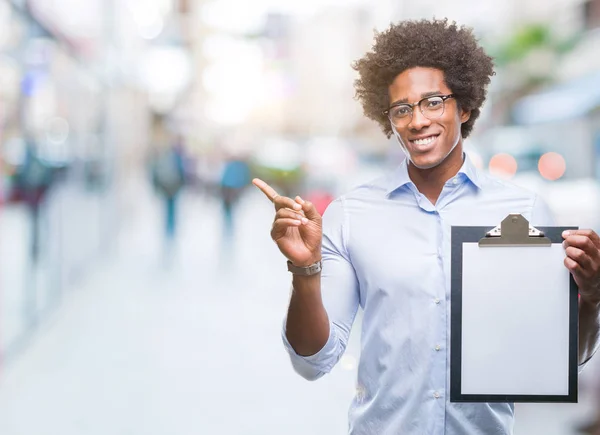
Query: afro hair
point(433, 44)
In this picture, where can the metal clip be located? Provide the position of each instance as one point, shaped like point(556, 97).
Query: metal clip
point(515, 231)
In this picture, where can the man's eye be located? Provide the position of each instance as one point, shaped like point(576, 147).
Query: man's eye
point(433, 103)
point(401, 111)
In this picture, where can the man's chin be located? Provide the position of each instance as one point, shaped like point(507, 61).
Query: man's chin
point(425, 163)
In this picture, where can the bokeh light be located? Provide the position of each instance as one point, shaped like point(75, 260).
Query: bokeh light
point(503, 165)
point(552, 166)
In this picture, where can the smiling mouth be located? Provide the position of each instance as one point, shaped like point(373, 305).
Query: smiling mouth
point(424, 141)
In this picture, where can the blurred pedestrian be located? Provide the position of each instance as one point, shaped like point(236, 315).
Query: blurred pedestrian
point(32, 181)
point(168, 178)
point(424, 82)
point(235, 177)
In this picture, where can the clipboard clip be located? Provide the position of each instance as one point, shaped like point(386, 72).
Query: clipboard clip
point(514, 230)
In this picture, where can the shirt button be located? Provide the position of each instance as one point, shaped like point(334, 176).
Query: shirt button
point(438, 347)
point(437, 301)
point(436, 395)
point(455, 181)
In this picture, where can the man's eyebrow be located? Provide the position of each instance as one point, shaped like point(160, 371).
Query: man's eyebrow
point(423, 95)
point(430, 94)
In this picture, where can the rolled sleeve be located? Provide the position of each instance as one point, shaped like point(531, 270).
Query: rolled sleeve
point(583, 365)
point(339, 290)
point(314, 366)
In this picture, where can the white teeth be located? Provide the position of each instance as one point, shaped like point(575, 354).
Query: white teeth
point(425, 141)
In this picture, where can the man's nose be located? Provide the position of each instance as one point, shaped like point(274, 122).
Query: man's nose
point(418, 120)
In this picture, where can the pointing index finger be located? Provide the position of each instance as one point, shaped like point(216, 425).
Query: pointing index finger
point(265, 188)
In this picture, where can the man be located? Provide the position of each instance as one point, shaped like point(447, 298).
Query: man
point(385, 246)
point(168, 178)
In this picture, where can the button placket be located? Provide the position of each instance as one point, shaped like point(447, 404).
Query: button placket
point(439, 356)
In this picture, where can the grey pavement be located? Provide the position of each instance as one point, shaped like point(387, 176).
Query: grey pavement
point(190, 345)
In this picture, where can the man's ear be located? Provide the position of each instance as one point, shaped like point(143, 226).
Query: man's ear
point(465, 116)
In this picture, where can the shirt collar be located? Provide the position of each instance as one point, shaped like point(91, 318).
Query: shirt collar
point(400, 177)
point(471, 171)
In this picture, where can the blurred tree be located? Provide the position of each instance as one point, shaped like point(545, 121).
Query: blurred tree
point(526, 61)
point(530, 38)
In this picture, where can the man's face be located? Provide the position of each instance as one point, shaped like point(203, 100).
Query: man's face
point(427, 142)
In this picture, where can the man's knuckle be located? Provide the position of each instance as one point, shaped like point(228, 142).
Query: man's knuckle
point(589, 245)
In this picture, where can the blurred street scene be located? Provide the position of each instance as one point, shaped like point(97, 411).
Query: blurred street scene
point(140, 292)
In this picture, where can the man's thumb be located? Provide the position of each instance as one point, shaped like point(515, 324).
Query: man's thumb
point(310, 210)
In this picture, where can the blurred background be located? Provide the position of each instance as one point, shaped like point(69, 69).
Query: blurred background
point(139, 290)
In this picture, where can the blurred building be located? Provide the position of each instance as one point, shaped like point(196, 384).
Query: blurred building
point(563, 115)
point(80, 82)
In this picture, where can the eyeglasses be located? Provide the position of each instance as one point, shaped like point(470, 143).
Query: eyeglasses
point(400, 114)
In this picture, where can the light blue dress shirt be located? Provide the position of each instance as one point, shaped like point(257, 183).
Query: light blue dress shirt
point(386, 248)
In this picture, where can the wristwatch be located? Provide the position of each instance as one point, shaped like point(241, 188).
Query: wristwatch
point(313, 269)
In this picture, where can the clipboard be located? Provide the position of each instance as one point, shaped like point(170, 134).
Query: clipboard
point(514, 315)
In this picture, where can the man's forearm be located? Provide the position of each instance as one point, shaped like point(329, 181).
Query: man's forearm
point(589, 329)
point(307, 327)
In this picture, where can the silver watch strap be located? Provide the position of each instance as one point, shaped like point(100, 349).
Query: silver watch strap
point(313, 269)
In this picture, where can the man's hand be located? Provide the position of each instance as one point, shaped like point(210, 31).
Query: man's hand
point(297, 228)
point(583, 261)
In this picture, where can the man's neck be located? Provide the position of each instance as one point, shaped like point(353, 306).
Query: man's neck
point(430, 182)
